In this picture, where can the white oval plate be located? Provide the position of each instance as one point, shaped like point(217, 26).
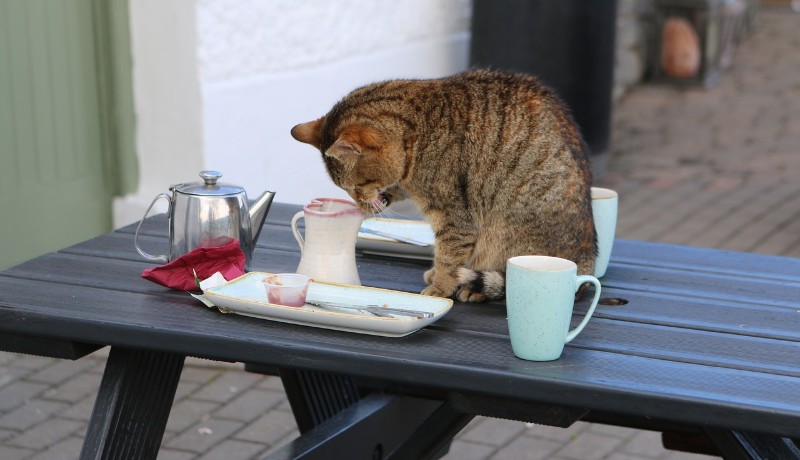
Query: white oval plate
point(245, 295)
point(418, 230)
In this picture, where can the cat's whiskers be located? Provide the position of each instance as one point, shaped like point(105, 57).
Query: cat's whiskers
point(390, 213)
point(378, 205)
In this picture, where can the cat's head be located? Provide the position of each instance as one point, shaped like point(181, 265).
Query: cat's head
point(364, 158)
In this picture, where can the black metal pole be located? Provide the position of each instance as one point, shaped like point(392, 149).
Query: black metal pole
point(568, 44)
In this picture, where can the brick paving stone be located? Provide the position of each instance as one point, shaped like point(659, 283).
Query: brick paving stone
point(7, 358)
point(32, 361)
point(619, 432)
point(10, 373)
point(192, 361)
point(59, 371)
point(69, 448)
point(752, 237)
point(465, 450)
point(284, 406)
point(644, 443)
point(271, 383)
point(173, 454)
point(280, 443)
point(15, 453)
point(740, 216)
point(624, 456)
point(199, 375)
point(555, 433)
point(45, 434)
point(80, 410)
point(30, 414)
point(227, 386)
point(709, 222)
point(589, 446)
point(527, 448)
point(187, 412)
point(233, 450)
point(670, 455)
point(685, 202)
point(699, 205)
point(250, 405)
point(16, 393)
point(185, 389)
point(203, 436)
point(270, 428)
point(781, 241)
point(493, 431)
point(76, 388)
point(657, 209)
point(5, 434)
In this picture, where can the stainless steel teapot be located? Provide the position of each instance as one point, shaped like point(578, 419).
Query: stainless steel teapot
point(208, 214)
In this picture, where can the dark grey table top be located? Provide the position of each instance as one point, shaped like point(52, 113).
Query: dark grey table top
point(708, 338)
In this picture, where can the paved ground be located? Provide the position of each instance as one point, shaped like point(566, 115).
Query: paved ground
point(714, 167)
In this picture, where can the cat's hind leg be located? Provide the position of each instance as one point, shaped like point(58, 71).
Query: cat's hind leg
point(441, 279)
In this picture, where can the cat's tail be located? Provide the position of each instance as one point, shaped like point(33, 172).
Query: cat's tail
point(492, 285)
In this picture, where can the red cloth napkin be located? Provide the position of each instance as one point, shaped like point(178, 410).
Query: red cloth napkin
point(178, 274)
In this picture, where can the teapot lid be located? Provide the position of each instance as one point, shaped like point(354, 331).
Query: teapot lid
point(209, 186)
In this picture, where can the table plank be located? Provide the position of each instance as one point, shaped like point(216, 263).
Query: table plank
point(697, 285)
point(696, 259)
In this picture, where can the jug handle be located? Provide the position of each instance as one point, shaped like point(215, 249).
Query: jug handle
point(161, 258)
point(296, 232)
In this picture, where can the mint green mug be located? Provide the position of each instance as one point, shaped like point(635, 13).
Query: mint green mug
point(540, 295)
point(604, 209)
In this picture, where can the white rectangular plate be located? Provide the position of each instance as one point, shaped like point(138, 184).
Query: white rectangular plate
point(415, 229)
point(245, 295)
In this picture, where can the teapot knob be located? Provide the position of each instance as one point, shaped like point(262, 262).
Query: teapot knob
point(210, 177)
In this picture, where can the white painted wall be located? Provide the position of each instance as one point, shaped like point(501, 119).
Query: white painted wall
point(218, 84)
point(169, 126)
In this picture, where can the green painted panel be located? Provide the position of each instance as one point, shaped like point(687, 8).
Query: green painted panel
point(54, 149)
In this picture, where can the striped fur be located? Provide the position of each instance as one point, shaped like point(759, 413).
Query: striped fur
point(493, 160)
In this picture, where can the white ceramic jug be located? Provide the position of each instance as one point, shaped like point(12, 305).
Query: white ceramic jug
point(328, 251)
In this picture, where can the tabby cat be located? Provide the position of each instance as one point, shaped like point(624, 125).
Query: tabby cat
point(493, 159)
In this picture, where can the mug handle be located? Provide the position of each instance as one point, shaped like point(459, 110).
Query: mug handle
point(296, 232)
point(578, 281)
point(161, 258)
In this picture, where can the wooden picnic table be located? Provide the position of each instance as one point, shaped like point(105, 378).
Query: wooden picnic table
point(706, 349)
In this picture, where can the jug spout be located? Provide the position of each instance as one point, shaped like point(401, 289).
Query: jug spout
point(258, 213)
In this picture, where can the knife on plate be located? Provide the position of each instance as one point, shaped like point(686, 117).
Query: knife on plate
point(377, 310)
point(403, 239)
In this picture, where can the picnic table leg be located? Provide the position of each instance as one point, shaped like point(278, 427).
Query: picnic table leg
point(132, 405)
point(380, 426)
point(333, 414)
point(735, 445)
point(317, 396)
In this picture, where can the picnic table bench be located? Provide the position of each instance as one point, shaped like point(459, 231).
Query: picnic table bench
point(700, 344)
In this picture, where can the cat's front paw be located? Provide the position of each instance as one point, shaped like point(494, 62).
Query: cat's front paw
point(466, 295)
point(428, 276)
point(436, 291)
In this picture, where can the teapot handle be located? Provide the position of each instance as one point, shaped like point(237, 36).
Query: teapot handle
point(297, 235)
point(161, 258)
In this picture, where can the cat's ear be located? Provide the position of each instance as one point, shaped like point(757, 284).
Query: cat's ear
point(354, 141)
point(308, 132)
point(343, 148)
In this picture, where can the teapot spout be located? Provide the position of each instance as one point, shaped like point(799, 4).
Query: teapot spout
point(258, 213)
